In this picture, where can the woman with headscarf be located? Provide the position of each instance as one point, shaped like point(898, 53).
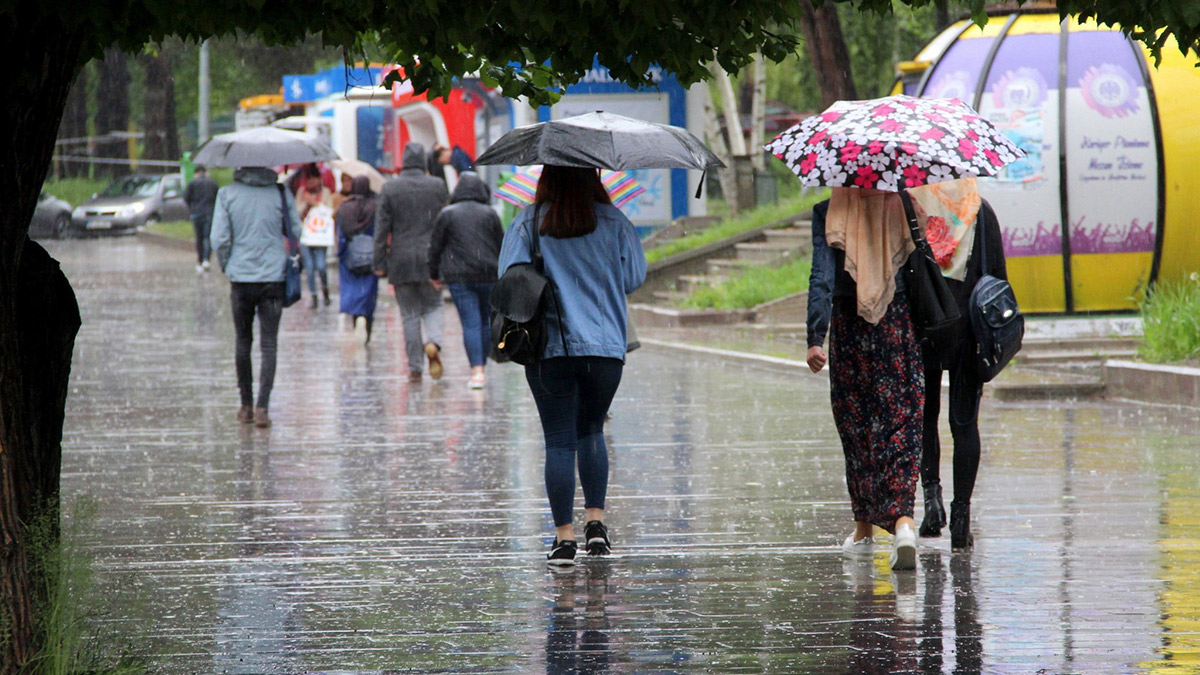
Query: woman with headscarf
point(856, 293)
point(358, 285)
point(956, 221)
point(593, 259)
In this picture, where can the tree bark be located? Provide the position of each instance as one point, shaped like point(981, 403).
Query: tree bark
point(112, 109)
point(827, 51)
point(38, 320)
point(162, 135)
point(74, 126)
point(758, 109)
point(942, 13)
point(712, 133)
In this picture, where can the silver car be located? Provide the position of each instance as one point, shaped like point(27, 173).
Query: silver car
point(132, 202)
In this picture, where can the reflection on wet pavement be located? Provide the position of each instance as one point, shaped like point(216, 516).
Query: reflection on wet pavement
point(388, 526)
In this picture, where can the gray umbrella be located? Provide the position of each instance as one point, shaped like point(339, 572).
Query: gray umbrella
point(263, 146)
point(601, 140)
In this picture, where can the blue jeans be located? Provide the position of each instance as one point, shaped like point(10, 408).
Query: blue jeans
point(314, 262)
point(202, 227)
point(475, 313)
point(572, 395)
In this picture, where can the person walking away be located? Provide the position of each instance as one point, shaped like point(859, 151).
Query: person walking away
point(408, 205)
point(311, 198)
point(860, 243)
point(201, 197)
point(341, 195)
point(463, 254)
point(956, 220)
point(358, 287)
point(593, 258)
point(248, 238)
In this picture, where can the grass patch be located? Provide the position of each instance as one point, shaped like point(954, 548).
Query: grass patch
point(75, 191)
point(753, 287)
point(763, 215)
point(176, 229)
point(1171, 321)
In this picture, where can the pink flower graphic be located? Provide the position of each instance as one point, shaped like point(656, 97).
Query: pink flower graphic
point(866, 177)
point(993, 158)
point(831, 116)
point(914, 176)
point(808, 163)
point(851, 151)
point(875, 147)
point(891, 125)
point(933, 134)
point(883, 110)
point(820, 137)
point(909, 148)
point(967, 148)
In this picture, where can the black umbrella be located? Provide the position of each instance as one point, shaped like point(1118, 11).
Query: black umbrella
point(263, 146)
point(604, 141)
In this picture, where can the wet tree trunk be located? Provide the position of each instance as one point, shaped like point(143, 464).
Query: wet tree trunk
point(942, 13)
point(112, 109)
point(162, 136)
point(827, 51)
point(38, 322)
point(74, 125)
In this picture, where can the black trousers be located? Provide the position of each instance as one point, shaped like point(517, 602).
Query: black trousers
point(965, 392)
point(266, 301)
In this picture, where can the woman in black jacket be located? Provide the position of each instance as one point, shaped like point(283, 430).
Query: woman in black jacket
point(955, 353)
point(463, 253)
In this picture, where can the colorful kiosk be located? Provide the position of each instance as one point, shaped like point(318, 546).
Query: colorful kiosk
point(1106, 200)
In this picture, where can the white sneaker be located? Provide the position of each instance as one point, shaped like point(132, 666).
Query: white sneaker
point(477, 381)
point(205, 265)
point(360, 328)
point(904, 550)
point(863, 548)
point(199, 269)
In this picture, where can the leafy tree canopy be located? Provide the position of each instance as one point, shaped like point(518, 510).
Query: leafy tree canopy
point(508, 41)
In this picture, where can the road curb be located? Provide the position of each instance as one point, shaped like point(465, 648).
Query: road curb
point(758, 359)
point(169, 242)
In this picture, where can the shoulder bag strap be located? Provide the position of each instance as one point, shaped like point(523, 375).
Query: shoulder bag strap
point(535, 253)
point(293, 245)
point(914, 230)
point(983, 261)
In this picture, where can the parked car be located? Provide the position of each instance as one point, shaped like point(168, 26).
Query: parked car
point(132, 202)
point(52, 218)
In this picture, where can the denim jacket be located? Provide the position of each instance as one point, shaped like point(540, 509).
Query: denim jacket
point(591, 274)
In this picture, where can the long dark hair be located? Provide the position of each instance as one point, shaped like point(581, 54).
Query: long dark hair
point(570, 193)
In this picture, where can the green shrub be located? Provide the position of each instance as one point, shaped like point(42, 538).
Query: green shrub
point(753, 287)
point(1171, 321)
point(763, 215)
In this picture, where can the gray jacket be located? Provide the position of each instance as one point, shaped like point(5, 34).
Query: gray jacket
point(404, 219)
point(247, 228)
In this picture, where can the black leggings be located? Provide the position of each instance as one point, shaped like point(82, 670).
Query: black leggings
point(247, 300)
point(965, 392)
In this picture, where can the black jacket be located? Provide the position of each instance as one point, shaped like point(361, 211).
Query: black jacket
point(404, 219)
point(829, 281)
point(201, 196)
point(466, 237)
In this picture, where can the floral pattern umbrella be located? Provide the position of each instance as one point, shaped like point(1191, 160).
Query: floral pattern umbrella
point(893, 143)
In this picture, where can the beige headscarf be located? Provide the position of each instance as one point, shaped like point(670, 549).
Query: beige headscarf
point(870, 226)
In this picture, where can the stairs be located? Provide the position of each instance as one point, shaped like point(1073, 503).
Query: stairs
point(775, 247)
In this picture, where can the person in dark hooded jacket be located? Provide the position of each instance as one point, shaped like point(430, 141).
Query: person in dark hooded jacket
point(463, 254)
point(358, 289)
point(404, 219)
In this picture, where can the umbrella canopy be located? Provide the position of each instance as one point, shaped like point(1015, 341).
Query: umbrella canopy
point(521, 188)
point(263, 146)
point(893, 143)
point(603, 141)
point(356, 168)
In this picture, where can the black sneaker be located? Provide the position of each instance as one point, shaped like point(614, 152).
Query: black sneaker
point(562, 553)
point(596, 536)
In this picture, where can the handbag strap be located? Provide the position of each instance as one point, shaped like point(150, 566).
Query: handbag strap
point(982, 243)
point(293, 245)
point(914, 230)
point(539, 263)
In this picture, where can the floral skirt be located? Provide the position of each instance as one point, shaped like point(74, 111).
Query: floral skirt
point(877, 386)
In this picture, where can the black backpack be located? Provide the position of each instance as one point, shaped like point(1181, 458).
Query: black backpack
point(997, 325)
point(519, 301)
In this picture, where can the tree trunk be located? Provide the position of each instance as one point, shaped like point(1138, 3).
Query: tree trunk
point(827, 51)
point(162, 136)
point(74, 126)
point(758, 109)
point(112, 110)
point(942, 9)
point(38, 321)
point(729, 108)
point(712, 133)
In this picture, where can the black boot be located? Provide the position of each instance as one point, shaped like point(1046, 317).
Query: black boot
point(314, 302)
point(935, 511)
point(960, 525)
point(325, 292)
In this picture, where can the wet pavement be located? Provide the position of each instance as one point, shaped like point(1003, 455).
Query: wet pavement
point(383, 526)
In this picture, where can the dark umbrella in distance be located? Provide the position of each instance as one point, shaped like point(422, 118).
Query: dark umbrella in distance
point(263, 146)
point(603, 141)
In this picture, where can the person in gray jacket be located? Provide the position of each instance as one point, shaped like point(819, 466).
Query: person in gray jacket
point(408, 205)
point(248, 238)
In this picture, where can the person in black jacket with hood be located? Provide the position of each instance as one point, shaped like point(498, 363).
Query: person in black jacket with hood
point(463, 251)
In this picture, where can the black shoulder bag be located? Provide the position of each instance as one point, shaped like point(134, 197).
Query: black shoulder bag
point(932, 305)
point(997, 325)
point(519, 301)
